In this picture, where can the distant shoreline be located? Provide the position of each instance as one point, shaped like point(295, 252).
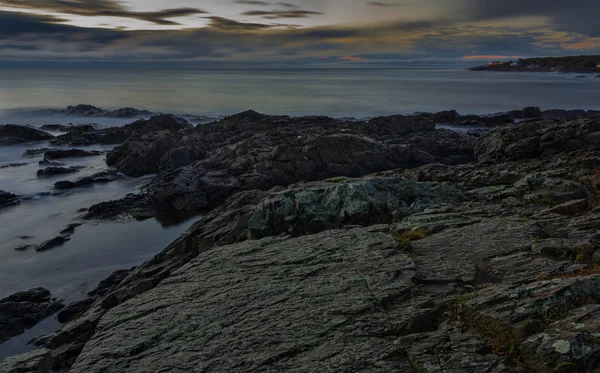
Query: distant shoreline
point(510, 69)
point(565, 64)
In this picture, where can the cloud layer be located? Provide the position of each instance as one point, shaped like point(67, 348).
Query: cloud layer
point(311, 31)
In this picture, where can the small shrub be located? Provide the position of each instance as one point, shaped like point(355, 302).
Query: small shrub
point(415, 235)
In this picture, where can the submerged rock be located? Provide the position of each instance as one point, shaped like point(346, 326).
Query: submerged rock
point(23, 310)
point(51, 244)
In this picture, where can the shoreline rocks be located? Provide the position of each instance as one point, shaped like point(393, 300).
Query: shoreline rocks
point(384, 246)
point(23, 310)
point(100, 177)
point(52, 171)
point(11, 134)
point(8, 199)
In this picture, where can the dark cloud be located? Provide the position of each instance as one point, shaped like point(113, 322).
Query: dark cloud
point(251, 2)
point(574, 15)
point(230, 25)
point(278, 14)
point(110, 8)
point(384, 5)
point(288, 5)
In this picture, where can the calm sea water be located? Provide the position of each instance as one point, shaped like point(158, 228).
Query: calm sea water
point(334, 92)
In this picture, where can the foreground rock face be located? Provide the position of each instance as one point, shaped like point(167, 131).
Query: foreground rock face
point(23, 310)
point(339, 286)
point(14, 134)
point(488, 266)
point(38, 361)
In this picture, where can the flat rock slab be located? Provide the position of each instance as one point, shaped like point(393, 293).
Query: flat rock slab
point(38, 361)
point(314, 303)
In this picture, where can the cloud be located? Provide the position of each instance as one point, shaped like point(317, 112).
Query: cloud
point(277, 14)
point(575, 15)
point(106, 8)
point(251, 2)
point(384, 5)
point(468, 32)
point(353, 59)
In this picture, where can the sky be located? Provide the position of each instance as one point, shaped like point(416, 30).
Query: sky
point(316, 32)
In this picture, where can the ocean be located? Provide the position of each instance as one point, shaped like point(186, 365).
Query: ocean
point(335, 92)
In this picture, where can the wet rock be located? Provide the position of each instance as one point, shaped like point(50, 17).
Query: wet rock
point(51, 244)
point(70, 229)
point(50, 162)
point(15, 134)
point(38, 361)
point(38, 151)
point(23, 310)
point(22, 248)
point(8, 199)
point(100, 177)
point(70, 153)
point(51, 171)
point(13, 165)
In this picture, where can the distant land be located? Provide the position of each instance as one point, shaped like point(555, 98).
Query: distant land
point(568, 64)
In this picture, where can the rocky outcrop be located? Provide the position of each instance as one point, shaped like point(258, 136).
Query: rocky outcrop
point(52, 171)
point(92, 111)
point(100, 177)
point(538, 139)
point(77, 309)
point(53, 154)
point(38, 361)
point(23, 310)
point(455, 267)
point(14, 134)
point(52, 243)
point(201, 168)
point(8, 199)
